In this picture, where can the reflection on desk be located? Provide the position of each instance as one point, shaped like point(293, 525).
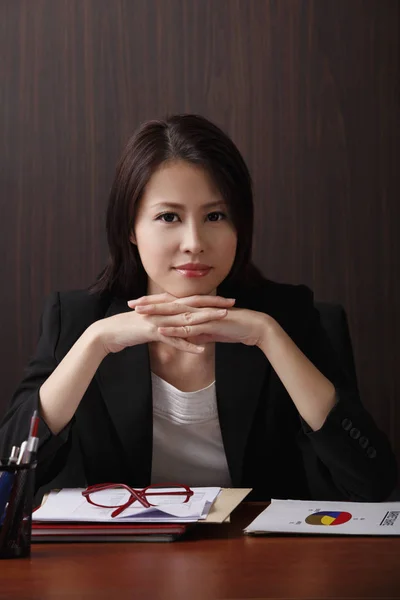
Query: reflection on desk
point(212, 561)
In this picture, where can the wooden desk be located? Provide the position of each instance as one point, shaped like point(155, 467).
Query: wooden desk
point(214, 561)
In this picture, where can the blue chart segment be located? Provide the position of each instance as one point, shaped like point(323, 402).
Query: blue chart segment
point(328, 517)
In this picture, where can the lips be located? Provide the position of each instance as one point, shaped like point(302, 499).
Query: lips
point(193, 269)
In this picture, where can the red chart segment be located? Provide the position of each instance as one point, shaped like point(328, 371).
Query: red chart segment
point(328, 517)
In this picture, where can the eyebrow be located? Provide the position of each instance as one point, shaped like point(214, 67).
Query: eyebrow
point(177, 205)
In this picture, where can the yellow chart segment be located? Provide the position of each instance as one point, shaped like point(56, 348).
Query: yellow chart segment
point(328, 518)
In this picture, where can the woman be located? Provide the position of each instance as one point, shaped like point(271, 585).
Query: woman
point(182, 363)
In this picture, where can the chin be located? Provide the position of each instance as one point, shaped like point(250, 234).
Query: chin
point(192, 289)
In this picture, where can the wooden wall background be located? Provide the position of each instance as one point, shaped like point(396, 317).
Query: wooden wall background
point(309, 91)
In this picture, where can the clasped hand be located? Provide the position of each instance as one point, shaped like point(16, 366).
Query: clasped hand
point(185, 323)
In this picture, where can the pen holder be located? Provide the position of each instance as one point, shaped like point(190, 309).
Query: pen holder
point(16, 497)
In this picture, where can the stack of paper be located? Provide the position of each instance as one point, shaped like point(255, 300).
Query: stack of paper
point(120, 532)
point(65, 515)
point(350, 518)
point(70, 505)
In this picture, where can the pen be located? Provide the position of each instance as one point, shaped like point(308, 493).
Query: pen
point(33, 440)
point(14, 455)
point(21, 452)
point(34, 424)
point(29, 446)
point(6, 481)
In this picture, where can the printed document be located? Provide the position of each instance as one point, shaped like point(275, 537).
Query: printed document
point(306, 517)
point(68, 505)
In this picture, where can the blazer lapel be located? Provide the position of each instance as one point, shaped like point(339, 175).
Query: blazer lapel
point(124, 379)
point(240, 373)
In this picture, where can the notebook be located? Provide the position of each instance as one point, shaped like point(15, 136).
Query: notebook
point(95, 532)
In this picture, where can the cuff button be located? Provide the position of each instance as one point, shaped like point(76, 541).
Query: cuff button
point(354, 433)
point(347, 424)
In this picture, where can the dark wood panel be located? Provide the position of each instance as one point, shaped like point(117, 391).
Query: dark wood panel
point(308, 90)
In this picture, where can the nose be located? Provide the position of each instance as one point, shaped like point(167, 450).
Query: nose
point(192, 239)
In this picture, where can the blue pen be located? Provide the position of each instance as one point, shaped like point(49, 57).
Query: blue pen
point(6, 484)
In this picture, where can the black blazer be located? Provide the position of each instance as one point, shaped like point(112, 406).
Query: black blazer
point(268, 446)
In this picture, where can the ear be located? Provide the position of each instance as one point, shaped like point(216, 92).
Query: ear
point(132, 238)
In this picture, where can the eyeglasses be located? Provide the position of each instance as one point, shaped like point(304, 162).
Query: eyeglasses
point(152, 495)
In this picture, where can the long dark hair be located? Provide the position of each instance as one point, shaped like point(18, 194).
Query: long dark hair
point(187, 137)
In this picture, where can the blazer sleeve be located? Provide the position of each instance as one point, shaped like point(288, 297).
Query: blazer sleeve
point(53, 449)
point(349, 448)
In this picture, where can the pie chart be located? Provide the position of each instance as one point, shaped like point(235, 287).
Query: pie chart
point(328, 517)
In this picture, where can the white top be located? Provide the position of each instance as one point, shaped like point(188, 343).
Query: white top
point(187, 441)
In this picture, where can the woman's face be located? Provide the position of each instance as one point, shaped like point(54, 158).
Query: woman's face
point(184, 234)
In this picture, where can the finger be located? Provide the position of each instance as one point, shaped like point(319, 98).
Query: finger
point(194, 301)
point(204, 338)
point(188, 314)
point(200, 301)
point(182, 344)
point(152, 298)
point(170, 308)
point(189, 318)
point(184, 330)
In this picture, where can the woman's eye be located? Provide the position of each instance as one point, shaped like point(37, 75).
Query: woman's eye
point(216, 216)
point(167, 217)
point(172, 217)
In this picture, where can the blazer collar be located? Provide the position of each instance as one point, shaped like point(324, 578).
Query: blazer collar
point(124, 379)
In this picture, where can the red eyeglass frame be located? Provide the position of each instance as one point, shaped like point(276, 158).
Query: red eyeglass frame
point(139, 495)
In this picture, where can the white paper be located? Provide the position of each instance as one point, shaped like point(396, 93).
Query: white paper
point(354, 518)
point(69, 505)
